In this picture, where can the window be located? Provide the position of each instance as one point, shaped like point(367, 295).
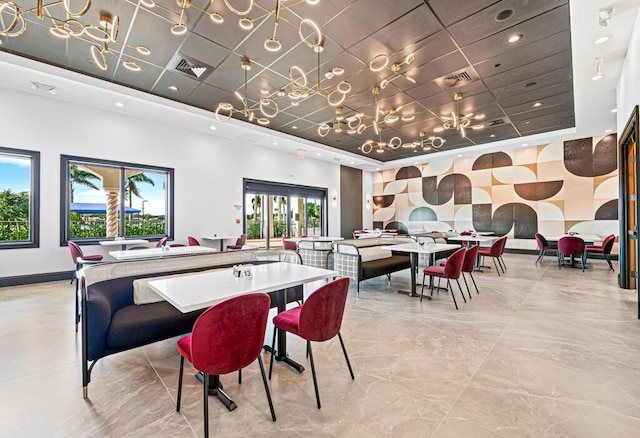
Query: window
point(273, 210)
point(19, 198)
point(93, 193)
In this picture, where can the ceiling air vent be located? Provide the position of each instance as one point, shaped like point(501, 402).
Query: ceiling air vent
point(498, 122)
point(190, 67)
point(456, 79)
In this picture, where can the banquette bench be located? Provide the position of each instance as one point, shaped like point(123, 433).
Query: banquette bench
point(361, 259)
point(119, 313)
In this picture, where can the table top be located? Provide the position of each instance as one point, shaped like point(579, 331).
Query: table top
point(472, 238)
point(123, 242)
point(220, 237)
point(315, 239)
point(427, 248)
point(585, 237)
point(198, 291)
point(159, 252)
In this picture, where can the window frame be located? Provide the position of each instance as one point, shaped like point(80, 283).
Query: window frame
point(66, 160)
point(34, 200)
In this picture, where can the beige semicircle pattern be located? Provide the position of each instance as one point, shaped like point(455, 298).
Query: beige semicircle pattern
point(437, 168)
point(384, 214)
point(551, 152)
point(417, 199)
point(395, 187)
point(514, 175)
point(607, 189)
point(480, 196)
point(550, 211)
point(464, 213)
point(377, 177)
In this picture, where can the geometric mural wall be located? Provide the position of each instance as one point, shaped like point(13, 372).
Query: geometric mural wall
point(552, 188)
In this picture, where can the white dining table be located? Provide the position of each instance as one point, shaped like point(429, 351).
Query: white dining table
point(123, 243)
point(414, 249)
point(477, 238)
point(201, 290)
point(151, 253)
point(221, 239)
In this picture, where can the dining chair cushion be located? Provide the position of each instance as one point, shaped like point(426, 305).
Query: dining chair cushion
point(92, 258)
point(290, 320)
point(435, 270)
point(373, 253)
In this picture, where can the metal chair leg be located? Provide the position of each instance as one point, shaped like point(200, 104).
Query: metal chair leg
point(266, 388)
point(466, 284)
point(439, 278)
point(503, 264)
point(313, 372)
point(344, 350)
point(453, 296)
point(474, 283)
point(496, 265)
point(205, 402)
point(240, 377)
point(422, 289)
point(273, 350)
point(180, 384)
point(606, 257)
point(461, 291)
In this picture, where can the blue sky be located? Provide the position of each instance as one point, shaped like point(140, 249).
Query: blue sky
point(14, 173)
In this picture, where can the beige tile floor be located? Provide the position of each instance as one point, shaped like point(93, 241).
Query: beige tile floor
point(539, 353)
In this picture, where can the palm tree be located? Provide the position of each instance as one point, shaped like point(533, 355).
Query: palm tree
point(80, 177)
point(131, 186)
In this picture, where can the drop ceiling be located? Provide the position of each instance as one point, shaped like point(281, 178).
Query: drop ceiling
point(501, 80)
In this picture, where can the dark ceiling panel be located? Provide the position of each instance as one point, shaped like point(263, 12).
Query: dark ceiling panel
point(490, 74)
point(488, 21)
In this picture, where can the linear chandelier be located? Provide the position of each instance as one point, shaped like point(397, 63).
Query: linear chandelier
point(272, 44)
point(102, 35)
point(267, 107)
point(459, 121)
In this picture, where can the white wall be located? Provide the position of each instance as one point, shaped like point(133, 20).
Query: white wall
point(208, 170)
point(628, 89)
point(367, 190)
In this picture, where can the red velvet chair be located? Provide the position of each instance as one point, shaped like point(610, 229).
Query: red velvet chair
point(465, 233)
point(287, 243)
point(162, 242)
point(544, 246)
point(469, 265)
point(451, 270)
point(226, 338)
point(193, 241)
point(239, 243)
point(495, 252)
point(318, 319)
point(604, 249)
point(571, 246)
point(79, 259)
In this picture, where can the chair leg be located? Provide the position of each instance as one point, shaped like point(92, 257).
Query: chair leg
point(313, 372)
point(205, 403)
point(432, 285)
point(451, 289)
point(540, 256)
point(240, 377)
point(273, 349)
point(422, 289)
point(496, 266)
point(466, 284)
point(474, 283)
point(504, 265)
point(180, 384)
point(266, 388)
point(77, 300)
point(344, 350)
point(461, 291)
point(453, 296)
point(606, 257)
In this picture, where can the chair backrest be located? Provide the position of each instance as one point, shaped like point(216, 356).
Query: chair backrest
point(176, 245)
point(76, 252)
point(503, 244)
point(607, 245)
point(453, 265)
point(161, 242)
point(241, 240)
point(571, 245)
point(193, 241)
point(465, 233)
point(229, 335)
point(497, 247)
point(542, 242)
point(289, 244)
point(321, 314)
point(469, 264)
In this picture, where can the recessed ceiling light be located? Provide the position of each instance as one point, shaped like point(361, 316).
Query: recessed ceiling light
point(352, 162)
point(119, 104)
point(607, 131)
point(275, 143)
point(515, 38)
point(212, 127)
point(597, 77)
point(459, 155)
point(601, 40)
point(319, 154)
point(537, 104)
point(173, 88)
point(492, 135)
point(377, 168)
point(294, 127)
point(615, 110)
point(525, 144)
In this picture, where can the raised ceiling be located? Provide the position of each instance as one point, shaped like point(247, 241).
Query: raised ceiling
point(501, 80)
